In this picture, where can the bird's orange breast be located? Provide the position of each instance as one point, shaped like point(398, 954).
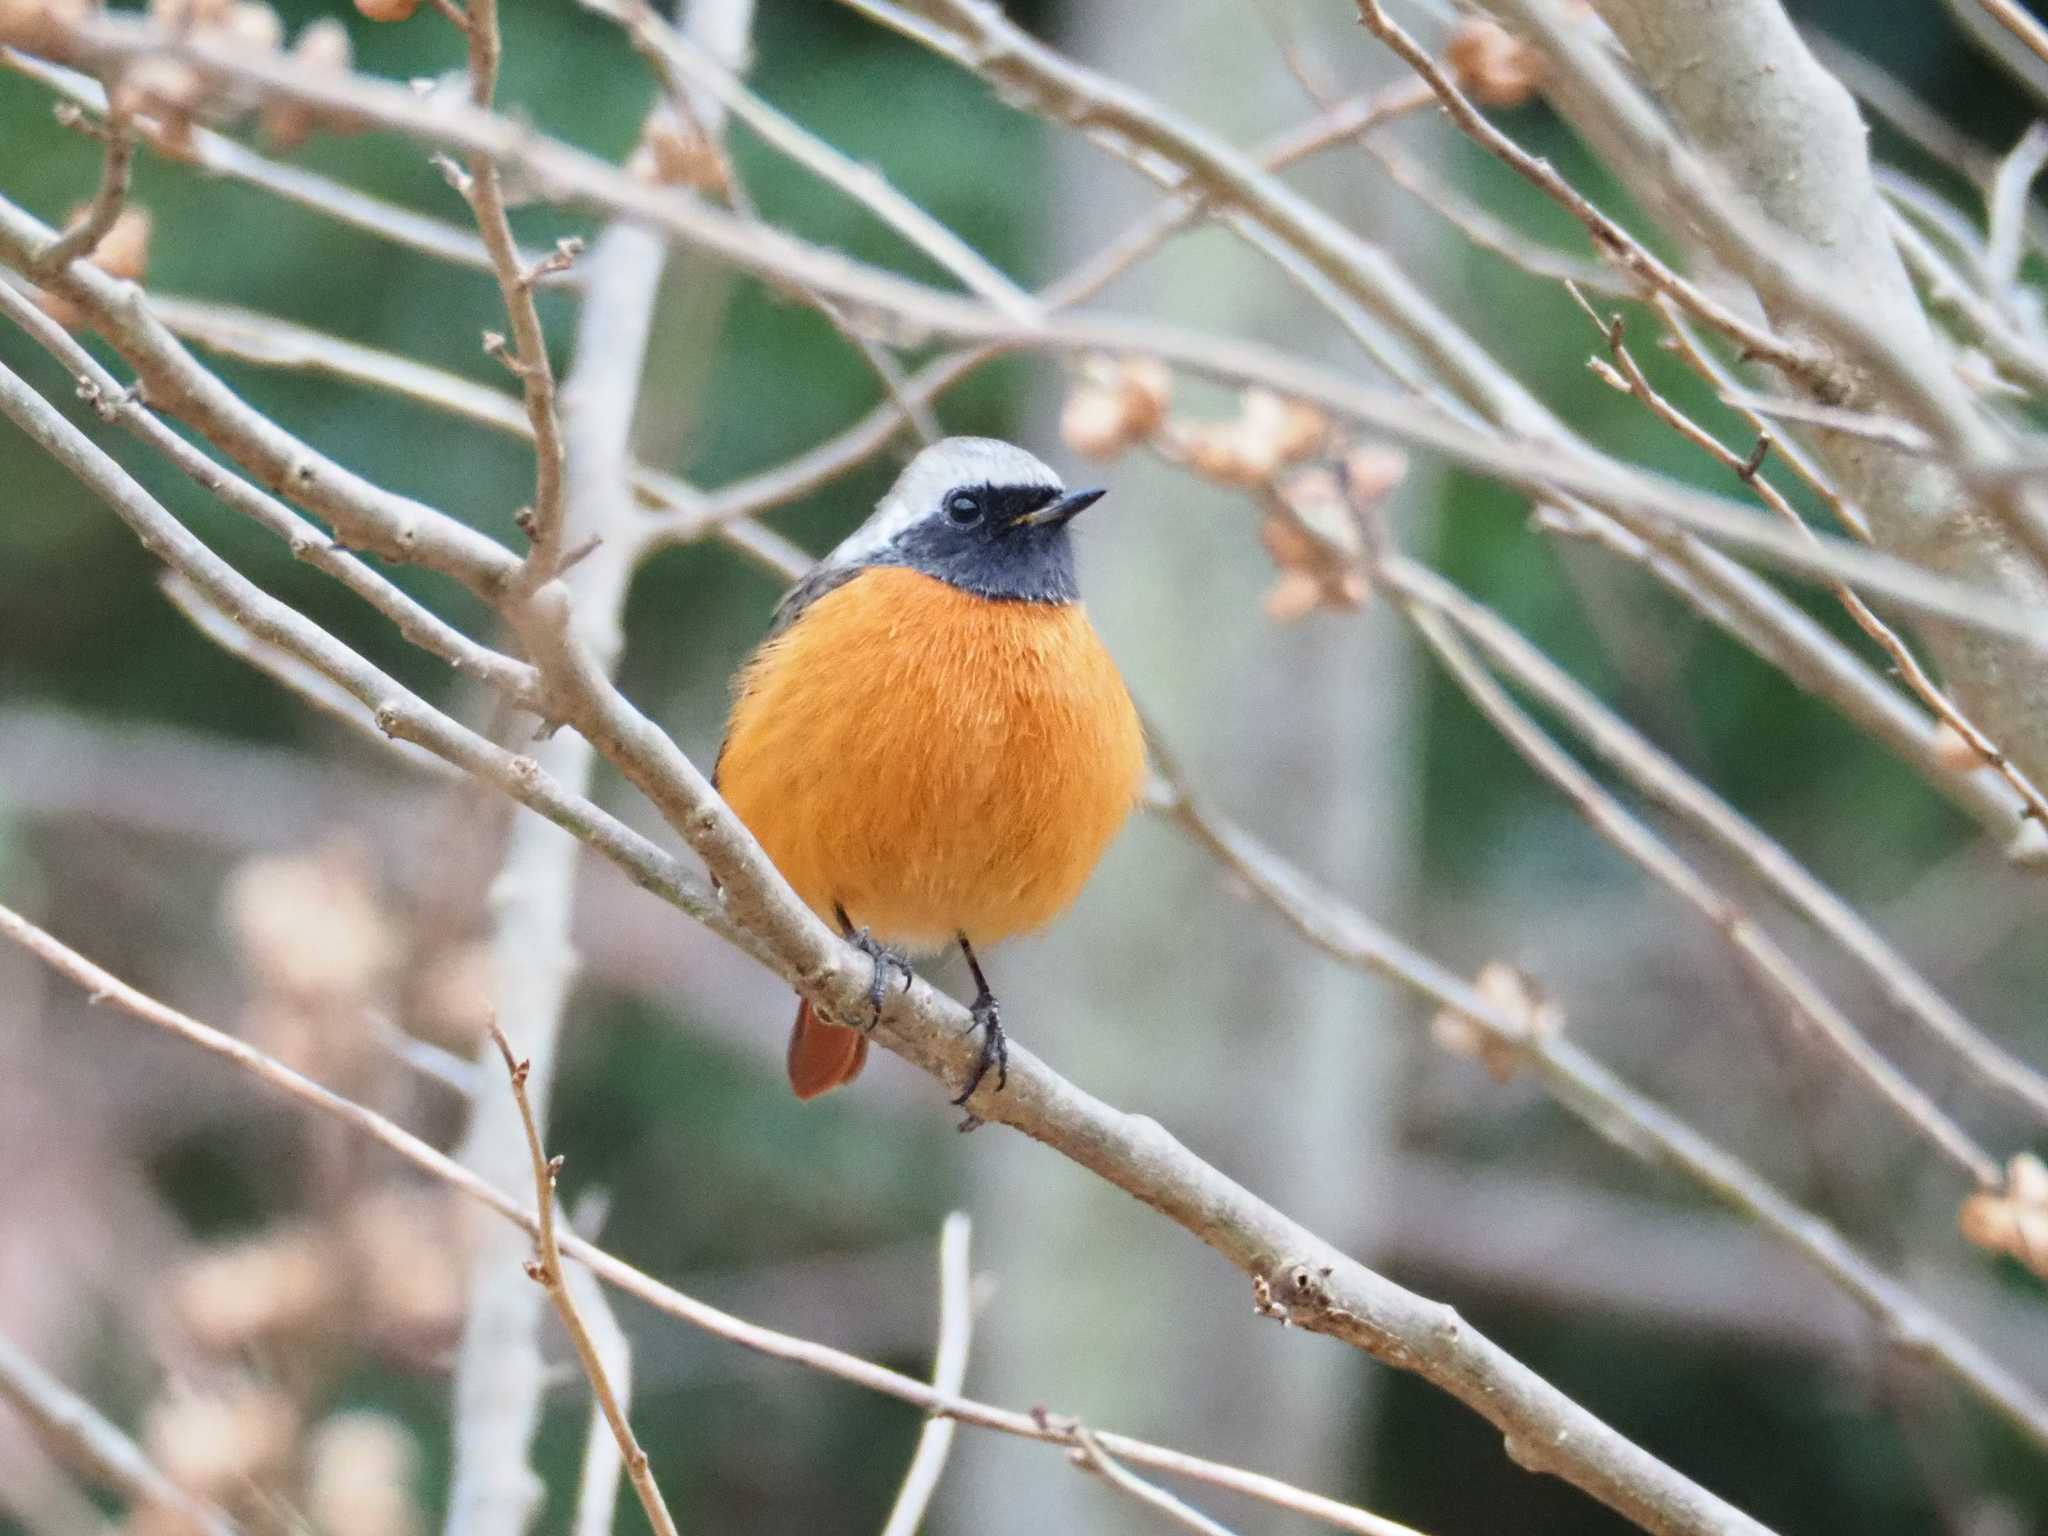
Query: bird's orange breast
point(933, 761)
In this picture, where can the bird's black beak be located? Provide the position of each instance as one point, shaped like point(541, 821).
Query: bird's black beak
point(1065, 510)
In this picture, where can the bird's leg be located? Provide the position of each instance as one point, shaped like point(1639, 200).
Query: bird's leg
point(988, 1018)
point(885, 960)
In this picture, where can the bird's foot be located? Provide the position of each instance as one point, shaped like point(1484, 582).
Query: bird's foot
point(885, 960)
point(995, 1051)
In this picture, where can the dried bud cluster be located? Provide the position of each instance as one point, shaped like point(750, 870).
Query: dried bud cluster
point(2012, 1221)
point(165, 97)
point(1314, 531)
point(1491, 65)
point(359, 1476)
point(41, 25)
point(1268, 433)
point(1953, 751)
point(1317, 490)
point(323, 49)
point(1115, 404)
point(262, 1290)
point(310, 926)
point(1513, 993)
point(673, 152)
point(219, 1441)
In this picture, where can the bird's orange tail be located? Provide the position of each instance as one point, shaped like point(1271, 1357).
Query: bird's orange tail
point(823, 1056)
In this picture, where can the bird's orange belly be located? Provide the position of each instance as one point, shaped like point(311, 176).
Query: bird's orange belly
point(933, 762)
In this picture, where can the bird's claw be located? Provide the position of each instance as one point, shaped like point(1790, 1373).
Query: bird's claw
point(885, 960)
point(995, 1052)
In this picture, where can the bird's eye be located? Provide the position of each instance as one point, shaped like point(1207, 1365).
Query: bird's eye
point(964, 508)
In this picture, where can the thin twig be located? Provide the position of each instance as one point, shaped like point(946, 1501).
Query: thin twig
point(484, 190)
point(82, 238)
point(1183, 205)
point(113, 402)
point(1088, 1452)
point(1977, 316)
point(91, 1444)
point(314, 688)
point(863, 184)
point(597, 1482)
point(949, 1373)
point(546, 1271)
point(1916, 677)
point(2016, 20)
point(1548, 468)
point(103, 986)
point(219, 155)
point(2011, 190)
point(1490, 233)
point(1888, 430)
point(1609, 238)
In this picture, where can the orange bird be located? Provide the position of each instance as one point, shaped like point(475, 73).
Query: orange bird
point(932, 743)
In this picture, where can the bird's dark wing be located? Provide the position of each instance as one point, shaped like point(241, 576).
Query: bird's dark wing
point(806, 592)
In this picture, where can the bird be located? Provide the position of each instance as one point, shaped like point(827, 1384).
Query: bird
point(932, 743)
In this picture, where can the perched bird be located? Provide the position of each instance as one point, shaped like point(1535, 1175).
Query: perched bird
point(932, 743)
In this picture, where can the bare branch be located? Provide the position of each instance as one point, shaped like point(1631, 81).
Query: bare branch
point(2016, 20)
point(1806, 226)
point(1296, 1275)
point(1609, 238)
point(484, 190)
point(949, 1373)
point(103, 986)
point(90, 1443)
point(863, 184)
point(82, 238)
point(315, 689)
point(546, 1271)
point(1429, 602)
point(2011, 190)
point(1089, 1453)
point(219, 155)
point(1615, 1111)
point(425, 629)
point(604, 1461)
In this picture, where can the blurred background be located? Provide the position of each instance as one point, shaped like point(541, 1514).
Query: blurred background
point(236, 1282)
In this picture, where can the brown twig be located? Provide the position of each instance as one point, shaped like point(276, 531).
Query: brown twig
point(1887, 639)
point(1609, 238)
point(483, 188)
point(2020, 24)
point(546, 1271)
